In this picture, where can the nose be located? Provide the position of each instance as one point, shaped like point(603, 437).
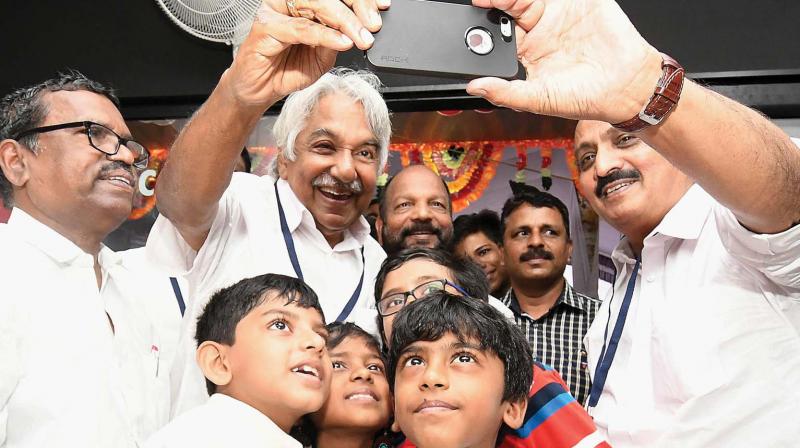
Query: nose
point(535, 240)
point(124, 155)
point(421, 212)
point(361, 374)
point(606, 160)
point(311, 340)
point(434, 377)
point(344, 169)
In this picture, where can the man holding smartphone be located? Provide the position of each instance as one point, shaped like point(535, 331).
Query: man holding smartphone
point(706, 308)
point(305, 218)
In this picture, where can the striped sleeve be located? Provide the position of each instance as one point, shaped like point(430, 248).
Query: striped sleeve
point(553, 417)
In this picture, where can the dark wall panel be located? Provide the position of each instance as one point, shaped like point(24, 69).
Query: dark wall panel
point(160, 70)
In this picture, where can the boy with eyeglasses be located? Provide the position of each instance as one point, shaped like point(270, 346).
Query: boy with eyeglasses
point(553, 417)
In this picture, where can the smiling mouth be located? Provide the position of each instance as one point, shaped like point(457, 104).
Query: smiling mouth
point(122, 181)
point(306, 369)
point(617, 186)
point(336, 195)
point(363, 395)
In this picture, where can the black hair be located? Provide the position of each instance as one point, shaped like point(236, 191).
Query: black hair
point(468, 320)
point(485, 221)
point(339, 331)
point(230, 305)
point(248, 163)
point(466, 274)
point(25, 109)
point(385, 191)
point(304, 431)
point(537, 200)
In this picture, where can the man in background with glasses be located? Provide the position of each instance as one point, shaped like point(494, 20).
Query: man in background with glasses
point(83, 353)
point(553, 417)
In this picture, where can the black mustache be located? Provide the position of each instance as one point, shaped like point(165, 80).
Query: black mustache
point(419, 227)
point(602, 182)
point(536, 252)
point(117, 165)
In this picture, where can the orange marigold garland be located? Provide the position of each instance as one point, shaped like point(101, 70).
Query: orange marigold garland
point(547, 159)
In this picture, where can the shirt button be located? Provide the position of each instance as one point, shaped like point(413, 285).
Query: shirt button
point(651, 278)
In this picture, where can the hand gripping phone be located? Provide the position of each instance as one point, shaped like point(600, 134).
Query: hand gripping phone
point(436, 38)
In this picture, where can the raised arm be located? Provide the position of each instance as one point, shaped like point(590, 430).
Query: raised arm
point(282, 54)
point(585, 60)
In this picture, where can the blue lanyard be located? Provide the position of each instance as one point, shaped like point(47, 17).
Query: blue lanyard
point(607, 354)
point(287, 239)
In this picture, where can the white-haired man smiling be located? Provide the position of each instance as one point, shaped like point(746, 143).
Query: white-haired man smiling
point(303, 220)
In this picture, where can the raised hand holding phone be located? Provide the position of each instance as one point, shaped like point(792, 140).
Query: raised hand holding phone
point(583, 60)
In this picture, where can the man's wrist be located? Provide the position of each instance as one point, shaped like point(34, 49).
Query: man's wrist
point(639, 91)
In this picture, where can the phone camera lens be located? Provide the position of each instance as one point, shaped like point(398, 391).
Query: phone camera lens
point(505, 28)
point(479, 40)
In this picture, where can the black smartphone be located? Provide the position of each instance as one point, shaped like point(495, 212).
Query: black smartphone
point(436, 38)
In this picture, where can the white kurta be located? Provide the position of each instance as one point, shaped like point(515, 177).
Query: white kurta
point(710, 352)
point(65, 378)
point(222, 422)
point(245, 240)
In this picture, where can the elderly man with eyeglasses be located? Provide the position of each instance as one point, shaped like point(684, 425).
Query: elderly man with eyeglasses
point(83, 346)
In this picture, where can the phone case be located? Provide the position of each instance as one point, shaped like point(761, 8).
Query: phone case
point(430, 37)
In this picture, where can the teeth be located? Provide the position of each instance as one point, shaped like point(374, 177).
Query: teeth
point(308, 370)
point(617, 187)
point(361, 397)
point(120, 179)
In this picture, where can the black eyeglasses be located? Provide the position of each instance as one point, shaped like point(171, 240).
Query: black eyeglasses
point(395, 302)
point(101, 138)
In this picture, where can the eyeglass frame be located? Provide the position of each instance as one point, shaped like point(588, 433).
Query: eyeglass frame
point(121, 141)
point(408, 293)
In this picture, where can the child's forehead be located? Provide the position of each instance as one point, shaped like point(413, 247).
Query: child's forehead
point(448, 341)
point(355, 345)
point(273, 303)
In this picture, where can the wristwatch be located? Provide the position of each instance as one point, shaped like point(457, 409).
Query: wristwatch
point(665, 97)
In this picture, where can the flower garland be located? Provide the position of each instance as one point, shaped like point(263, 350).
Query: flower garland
point(469, 166)
point(547, 159)
point(522, 163)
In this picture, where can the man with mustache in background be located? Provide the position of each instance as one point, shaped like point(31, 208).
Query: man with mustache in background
point(553, 316)
point(415, 211)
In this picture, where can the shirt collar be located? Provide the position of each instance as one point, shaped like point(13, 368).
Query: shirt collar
point(297, 214)
point(250, 421)
point(685, 220)
point(567, 297)
point(42, 237)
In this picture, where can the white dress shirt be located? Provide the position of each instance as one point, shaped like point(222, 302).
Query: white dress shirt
point(67, 378)
point(222, 422)
point(245, 240)
point(710, 352)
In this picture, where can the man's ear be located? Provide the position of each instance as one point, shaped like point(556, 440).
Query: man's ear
point(14, 162)
point(379, 229)
point(282, 165)
point(212, 359)
point(569, 249)
point(514, 413)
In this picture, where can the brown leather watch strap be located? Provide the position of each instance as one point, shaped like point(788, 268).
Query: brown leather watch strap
point(665, 97)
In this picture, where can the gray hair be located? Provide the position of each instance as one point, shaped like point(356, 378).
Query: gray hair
point(25, 108)
point(361, 86)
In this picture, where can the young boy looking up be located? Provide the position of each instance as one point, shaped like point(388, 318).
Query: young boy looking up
point(261, 347)
point(459, 371)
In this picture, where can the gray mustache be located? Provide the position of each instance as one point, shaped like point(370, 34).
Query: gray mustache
point(328, 181)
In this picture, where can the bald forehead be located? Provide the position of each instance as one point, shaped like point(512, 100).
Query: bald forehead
point(82, 105)
point(414, 175)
